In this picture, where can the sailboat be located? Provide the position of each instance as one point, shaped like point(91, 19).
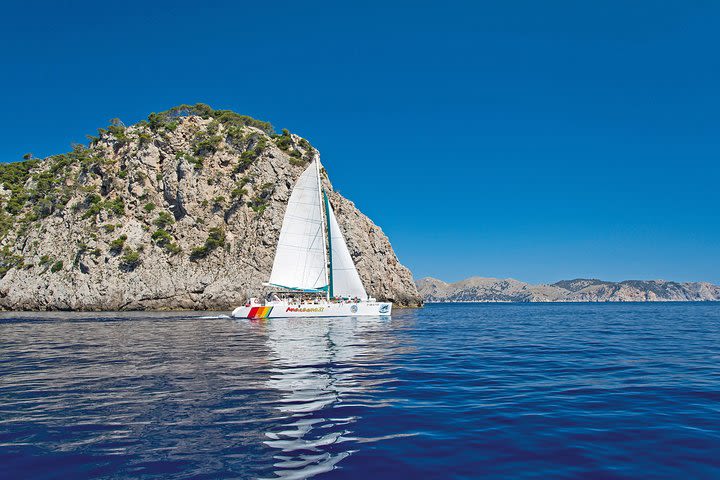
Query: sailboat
point(313, 272)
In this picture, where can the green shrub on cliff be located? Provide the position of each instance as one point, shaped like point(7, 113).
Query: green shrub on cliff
point(163, 239)
point(144, 138)
point(251, 154)
point(207, 145)
point(57, 266)
point(228, 118)
point(164, 219)
point(173, 248)
point(216, 238)
point(43, 185)
point(297, 159)
point(305, 144)
point(261, 200)
point(6, 224)
point(157, 121)
point(130, 259)
point(283, 141)
point(117, 245)
point(246, 158)
point(95, 205)
point(117, 130)
point(13, 177)
point(208, 142)
point(8, 261)
point(235, 135)
point(116, 206)
point(238, 193)
point(197, 162)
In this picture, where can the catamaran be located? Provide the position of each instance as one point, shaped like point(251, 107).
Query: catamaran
point(313, 272)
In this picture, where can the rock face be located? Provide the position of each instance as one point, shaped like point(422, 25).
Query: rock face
point(478, 289)
point(182, 211)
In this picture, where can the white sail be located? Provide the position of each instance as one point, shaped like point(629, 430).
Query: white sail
point(300, 259)
point(345, 279)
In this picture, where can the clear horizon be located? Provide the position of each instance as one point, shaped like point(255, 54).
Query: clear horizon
point(536, 142)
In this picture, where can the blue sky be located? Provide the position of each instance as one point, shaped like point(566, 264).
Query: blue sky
point(534, 140)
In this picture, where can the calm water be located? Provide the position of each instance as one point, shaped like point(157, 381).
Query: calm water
point(456, 391)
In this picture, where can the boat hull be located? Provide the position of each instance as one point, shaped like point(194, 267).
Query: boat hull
point(288, 310)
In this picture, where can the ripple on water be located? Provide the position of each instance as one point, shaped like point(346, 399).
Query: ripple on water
point(457, 391)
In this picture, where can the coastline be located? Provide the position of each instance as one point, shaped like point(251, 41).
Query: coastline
point(533, 302)
point(156, 310)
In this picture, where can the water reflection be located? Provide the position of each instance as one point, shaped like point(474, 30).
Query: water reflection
point(325, 371)
point(178, 396)
point(140, 395)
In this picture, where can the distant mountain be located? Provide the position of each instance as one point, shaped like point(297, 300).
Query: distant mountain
point(477, 289)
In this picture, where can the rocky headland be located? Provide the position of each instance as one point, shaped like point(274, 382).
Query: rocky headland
point(477, 289)
point(180, 211)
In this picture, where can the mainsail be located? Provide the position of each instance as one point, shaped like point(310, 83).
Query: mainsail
point(312, 254)
point(300, 259)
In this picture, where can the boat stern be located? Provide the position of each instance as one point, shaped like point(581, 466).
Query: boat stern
point(252, 312)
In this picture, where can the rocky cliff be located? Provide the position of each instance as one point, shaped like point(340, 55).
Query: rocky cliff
point(478, 289)
point(181, 211)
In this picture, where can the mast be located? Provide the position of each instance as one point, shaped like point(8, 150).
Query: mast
point(328, 275)
point(329, 243)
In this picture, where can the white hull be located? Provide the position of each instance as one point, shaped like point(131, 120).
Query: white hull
point(324, 309)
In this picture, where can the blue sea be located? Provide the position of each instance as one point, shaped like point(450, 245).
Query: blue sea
point(448, 391)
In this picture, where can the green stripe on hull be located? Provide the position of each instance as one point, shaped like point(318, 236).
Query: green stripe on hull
point(329, 242)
